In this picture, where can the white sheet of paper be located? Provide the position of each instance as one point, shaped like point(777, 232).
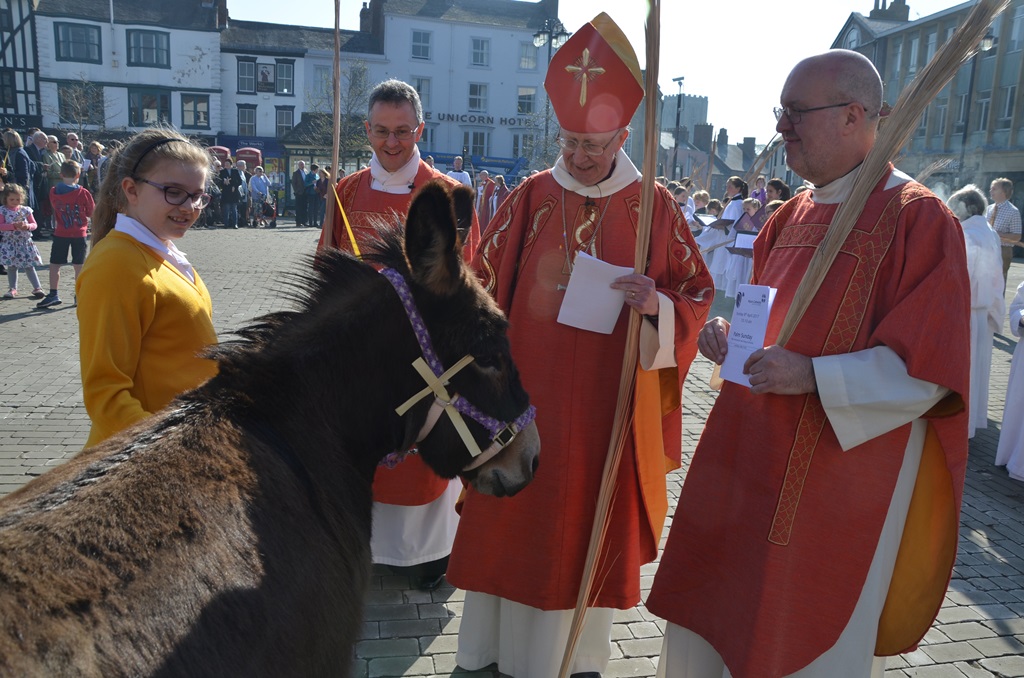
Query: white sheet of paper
point(86, 164)
point(706, 219)
point(747, 330)
point(589, 303)
point(745, 240)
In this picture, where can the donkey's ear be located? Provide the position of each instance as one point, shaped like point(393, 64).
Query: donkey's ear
point(431, 243)
point(463, 198)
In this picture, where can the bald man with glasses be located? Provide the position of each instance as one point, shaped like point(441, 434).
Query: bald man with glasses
point(817, 527)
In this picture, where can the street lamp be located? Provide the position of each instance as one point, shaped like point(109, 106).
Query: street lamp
point(679, 108)
point(554, 35)
point(987, 43)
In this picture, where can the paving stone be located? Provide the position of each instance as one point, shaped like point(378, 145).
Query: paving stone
point(1005, 667)
point(967, 631)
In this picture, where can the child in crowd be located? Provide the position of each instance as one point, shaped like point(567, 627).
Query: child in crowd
point(751, 206)
point(773, 205)
point(17, 251)
point(700, 201)
point(144, 313)
point(72, 207)
point(715, 207)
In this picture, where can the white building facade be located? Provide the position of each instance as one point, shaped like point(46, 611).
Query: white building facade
point(117, 65)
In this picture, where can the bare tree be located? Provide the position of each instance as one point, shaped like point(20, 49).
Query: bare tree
point(318, 119)
point(83, 104)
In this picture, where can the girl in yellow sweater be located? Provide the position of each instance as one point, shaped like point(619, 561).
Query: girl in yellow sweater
point(144, 313)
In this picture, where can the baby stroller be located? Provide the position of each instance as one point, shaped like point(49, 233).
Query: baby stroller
point(266, 213)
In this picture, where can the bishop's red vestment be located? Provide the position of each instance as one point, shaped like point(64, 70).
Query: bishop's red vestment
point(531, 548)
point(776, 525)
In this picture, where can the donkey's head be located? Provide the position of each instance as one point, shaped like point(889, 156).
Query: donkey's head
point(468, 414)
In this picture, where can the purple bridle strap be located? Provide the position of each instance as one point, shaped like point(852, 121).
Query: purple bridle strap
point(495, 427)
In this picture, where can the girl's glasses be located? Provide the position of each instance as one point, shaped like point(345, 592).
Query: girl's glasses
point(177, 196)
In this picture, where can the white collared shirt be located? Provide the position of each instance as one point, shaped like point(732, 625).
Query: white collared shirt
point(165, 248)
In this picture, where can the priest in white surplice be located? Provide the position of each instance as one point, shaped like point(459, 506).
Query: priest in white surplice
point(985, 268)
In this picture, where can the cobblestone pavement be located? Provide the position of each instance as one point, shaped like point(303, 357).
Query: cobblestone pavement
point(979, 631)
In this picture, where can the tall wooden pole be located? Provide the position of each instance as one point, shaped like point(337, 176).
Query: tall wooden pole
point(328, 226)
point(621, 426)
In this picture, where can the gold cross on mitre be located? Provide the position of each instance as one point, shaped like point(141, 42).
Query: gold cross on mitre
point(584, 69)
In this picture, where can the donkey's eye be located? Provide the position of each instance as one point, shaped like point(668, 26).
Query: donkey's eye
point(489, 361)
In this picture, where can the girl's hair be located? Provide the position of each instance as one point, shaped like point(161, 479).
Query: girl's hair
point(11, 189)
point(741, 185)
point(716, 205)
point(135, 160)
point(701, 196)
point(752, 202)
point(780, 187)
point(773, 205)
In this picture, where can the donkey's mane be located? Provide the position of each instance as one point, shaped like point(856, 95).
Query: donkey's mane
point(334, 277)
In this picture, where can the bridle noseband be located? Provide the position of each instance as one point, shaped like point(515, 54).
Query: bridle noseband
point(432, 371)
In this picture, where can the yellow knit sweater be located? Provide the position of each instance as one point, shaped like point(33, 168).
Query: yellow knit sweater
point(141, 325)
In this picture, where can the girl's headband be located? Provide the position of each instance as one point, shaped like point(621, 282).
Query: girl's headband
point(159, 142)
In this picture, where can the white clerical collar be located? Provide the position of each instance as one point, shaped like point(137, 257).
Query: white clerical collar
point(165, 248)
point(400, 182)
point(835, 192)
point(624, 174)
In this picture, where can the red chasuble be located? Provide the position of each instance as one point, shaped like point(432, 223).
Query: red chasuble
point(531, 548)
point(776, 525)
point(366, 208)
point(412, 482)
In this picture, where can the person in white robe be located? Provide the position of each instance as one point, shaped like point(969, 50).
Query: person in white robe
point(1010, 452)
point(985, 269)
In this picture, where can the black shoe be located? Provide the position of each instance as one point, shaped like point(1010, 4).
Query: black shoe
point(49, 300)
point(429, 583)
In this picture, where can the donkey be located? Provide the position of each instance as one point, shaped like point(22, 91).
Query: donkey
point(229, 534)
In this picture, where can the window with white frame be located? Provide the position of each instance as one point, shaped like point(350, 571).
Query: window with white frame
point(526, 104)
point(1008, 102)
point(476, 142)
point(151, 49)
point(527, 56)
point(148, 106)
point(931, 43)
point(1017, 30)
point(79, 103)
point(522, 144)
point(421, 45)
point(77, 42)
point(961, 112)
point(922, 124)
point(941, 109)
point(984, 105)
point(422, 87)
point(6, 19)
point(246, 76)
point(915, 44)
point(477, 97)
point(285, 120)
point(195, 111)
point(481, 52)
point(285, 77)
point(246, 120)
point(323, 77)
point(897, 58)
point(428, 137)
